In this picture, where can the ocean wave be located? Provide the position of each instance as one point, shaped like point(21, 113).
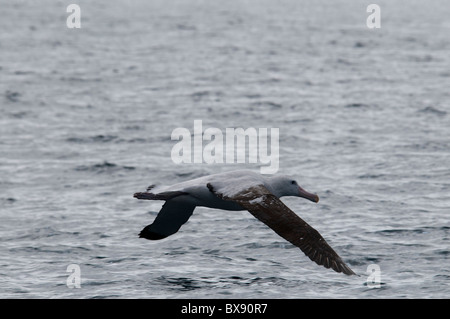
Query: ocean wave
point(105, 167)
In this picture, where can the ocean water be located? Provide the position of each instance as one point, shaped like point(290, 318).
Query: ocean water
point(86, 117)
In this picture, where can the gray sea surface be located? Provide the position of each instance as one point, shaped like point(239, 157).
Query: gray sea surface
point(86, 117)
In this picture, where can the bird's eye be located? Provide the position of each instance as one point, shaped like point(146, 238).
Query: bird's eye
point(293, 182)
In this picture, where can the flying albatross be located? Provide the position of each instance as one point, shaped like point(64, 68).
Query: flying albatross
point(242, 190)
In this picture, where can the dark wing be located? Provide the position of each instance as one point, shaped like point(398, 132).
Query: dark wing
point(269, 209)
point(170, 218)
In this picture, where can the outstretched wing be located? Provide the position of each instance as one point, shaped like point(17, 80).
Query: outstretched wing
point(269, 209)
point(170, 218)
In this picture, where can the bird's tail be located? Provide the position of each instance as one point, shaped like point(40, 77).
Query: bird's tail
point(159, 196)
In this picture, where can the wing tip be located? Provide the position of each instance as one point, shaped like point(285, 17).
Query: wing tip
point(151, 235)
point(328, 262)
point(347, 271)
point(341, 267)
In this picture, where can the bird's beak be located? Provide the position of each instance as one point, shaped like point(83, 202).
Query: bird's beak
point(312, 197)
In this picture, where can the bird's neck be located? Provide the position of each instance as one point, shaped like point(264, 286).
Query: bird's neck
point(273, 187)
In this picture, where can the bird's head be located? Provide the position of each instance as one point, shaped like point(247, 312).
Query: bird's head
point(287, 186)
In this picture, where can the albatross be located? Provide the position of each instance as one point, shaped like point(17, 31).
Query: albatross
point(242, 190)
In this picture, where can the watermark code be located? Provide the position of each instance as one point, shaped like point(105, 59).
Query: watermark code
point(229, 147)
point(74, 279)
